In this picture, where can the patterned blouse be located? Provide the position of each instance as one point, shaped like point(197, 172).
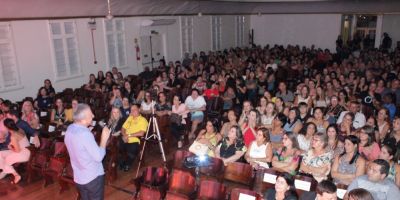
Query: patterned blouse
point(318, 161)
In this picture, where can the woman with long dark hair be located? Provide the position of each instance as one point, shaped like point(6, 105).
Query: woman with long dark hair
point(284, 188)
point(232, 147)
point(348, 165)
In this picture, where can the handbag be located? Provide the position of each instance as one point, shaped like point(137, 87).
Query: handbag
point(198, 148)
point(175, 119)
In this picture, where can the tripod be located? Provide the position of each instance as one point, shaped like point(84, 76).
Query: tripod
point(155, 134)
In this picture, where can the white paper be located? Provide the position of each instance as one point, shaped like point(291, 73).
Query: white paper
point(63, 133)
point(302, 185)
point(269, 178)
point(262, 164)
point(340, 193)
point(51, 128)
point(93, 123)
point(31, 140)
point(246, 197)
point(43, 114)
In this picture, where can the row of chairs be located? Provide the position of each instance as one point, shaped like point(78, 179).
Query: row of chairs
point(155, 184)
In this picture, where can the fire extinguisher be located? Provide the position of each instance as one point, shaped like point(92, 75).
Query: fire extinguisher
point(137, 48)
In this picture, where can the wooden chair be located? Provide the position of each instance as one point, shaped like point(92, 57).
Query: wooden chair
point(236, 193)
point(66, 179)
point(211, 190)
point(265, 179)
point(53, 170)
point(39, 158)
point(216, 169)
point(179, 158)
point(239, 173)
point(153, 183)
point(304, 184)
point(182, 183)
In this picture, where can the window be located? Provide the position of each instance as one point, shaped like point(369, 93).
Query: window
point(65, 49)
point(9, 76)
point(187, 34)
point(115, 40)
point(239, 27)
point(216, 24)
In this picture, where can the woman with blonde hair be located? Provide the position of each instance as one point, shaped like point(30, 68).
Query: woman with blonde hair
point(29, 115)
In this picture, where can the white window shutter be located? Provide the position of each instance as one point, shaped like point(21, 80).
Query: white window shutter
point(9, 72)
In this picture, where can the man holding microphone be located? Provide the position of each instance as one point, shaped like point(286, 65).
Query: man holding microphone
point(85, 155)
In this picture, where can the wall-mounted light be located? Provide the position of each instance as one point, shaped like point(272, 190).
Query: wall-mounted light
point(109, 16)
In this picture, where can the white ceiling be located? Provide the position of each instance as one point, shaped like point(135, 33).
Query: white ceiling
point(44, 9)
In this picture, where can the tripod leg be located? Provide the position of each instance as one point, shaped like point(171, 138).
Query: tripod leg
point(160, 141)
point(143, 148)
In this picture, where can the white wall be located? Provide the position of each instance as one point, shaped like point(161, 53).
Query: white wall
point(302, 29)
point(34, 51)
point(391, 24)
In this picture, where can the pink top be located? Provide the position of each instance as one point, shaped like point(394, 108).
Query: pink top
point(181, 110)
point(371, 153)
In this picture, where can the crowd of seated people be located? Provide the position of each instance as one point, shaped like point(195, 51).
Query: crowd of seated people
point(297, 110)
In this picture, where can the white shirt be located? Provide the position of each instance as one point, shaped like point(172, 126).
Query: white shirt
point(195, 104)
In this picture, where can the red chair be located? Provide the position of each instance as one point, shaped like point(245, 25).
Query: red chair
point(239, 173)
point(183, 183)
point(53, 170)
point(39, 159)
point(237, 192)
point(175, 196)
point(179, 158)
point(155, 182)
point(265, 179)
point(148, 193)
point(211, 190)
point(216, 169)
point(66, 179)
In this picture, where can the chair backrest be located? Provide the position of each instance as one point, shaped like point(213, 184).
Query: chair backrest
point(56, 165)
point(182, 182)
point(175, 196)
point(45, 143)
point(304, 184)
point(265, 179)
point(155, 176)
point(179, 157)
point(215, 169)
point(60, 149)
point(147, 193)
point(239, 173)
point(211, 190)
point(237, 193)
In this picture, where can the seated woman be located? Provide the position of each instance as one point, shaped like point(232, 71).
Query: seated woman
point(346, 126)
point(115, 121)
point(284, 188)
point(304, 96)
point(368, 147)
point(232, 120)
point(388, 153)
point(317, 161)
point(125, 108)
point(348, 165)
point(259, 153)
point(268, 117)
point(383, 124)
point(17, 153)
point(293, 124)
point(179, 109)
point(335, 141)
point(196, 104)
point(305, 136)
point(29, 115)
point(209, 136)
point(229, 98)
point(44, 101)
point(318, 120)
point(249, 128)
point(60, 115)
point(147, 104)
point(116, 97)
point(286, 159)
point(277, 131)
point(232, 148)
